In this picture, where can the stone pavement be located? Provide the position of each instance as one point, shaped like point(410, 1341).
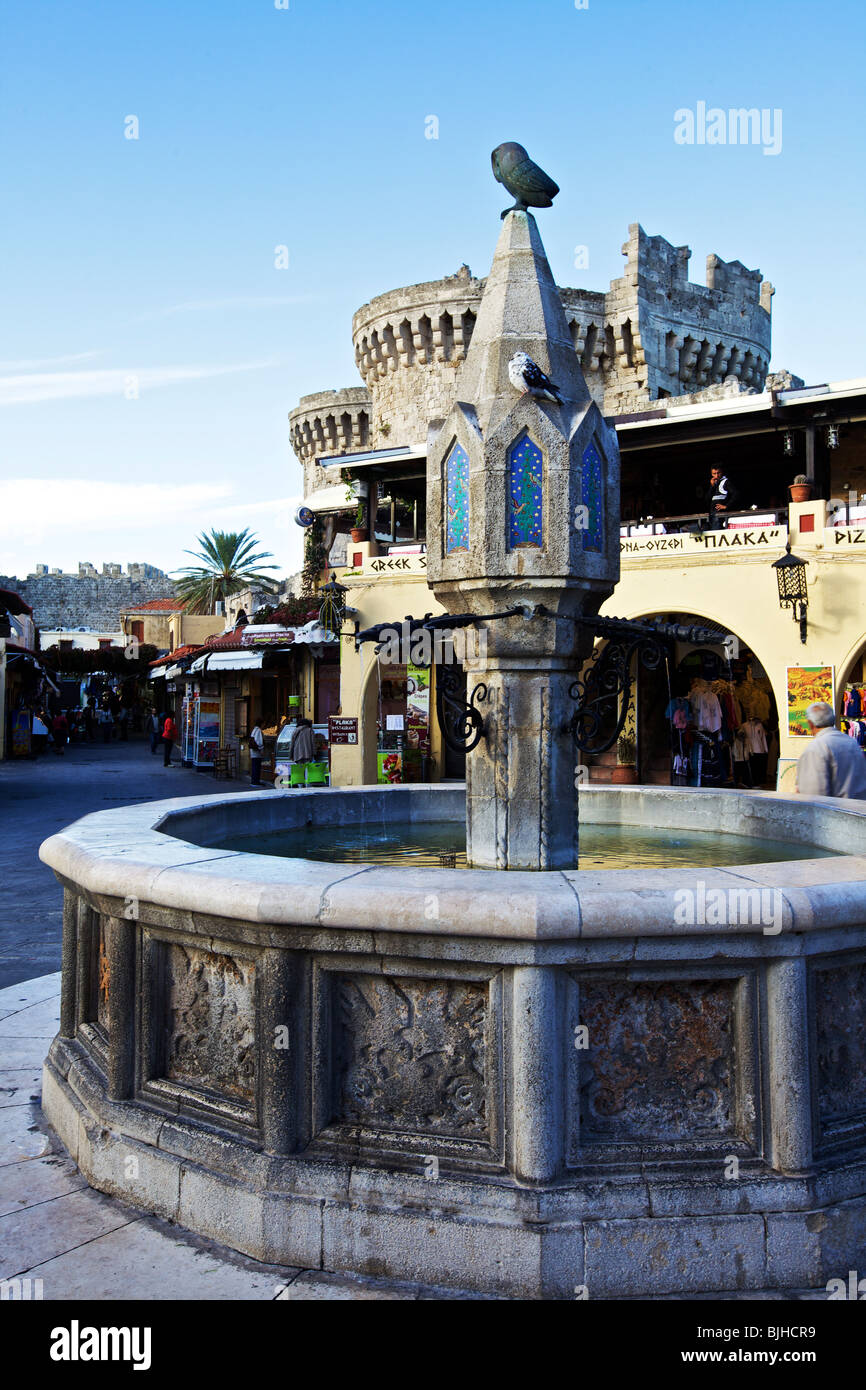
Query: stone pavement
point(38, 798)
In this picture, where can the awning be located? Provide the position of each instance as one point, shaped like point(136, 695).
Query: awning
point(157, 673)
point(235, 661)
point(172, 672)
point(334, 499)
point(198, 664)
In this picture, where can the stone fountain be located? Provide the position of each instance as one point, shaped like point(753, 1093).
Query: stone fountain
point(521, 1078)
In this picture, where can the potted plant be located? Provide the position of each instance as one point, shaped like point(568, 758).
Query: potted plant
point(800, 489)
point(359, 530)
point(626, 759)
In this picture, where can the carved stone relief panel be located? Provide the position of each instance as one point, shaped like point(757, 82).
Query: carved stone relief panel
point(103, 974)
point(659, 1061)
point(210, 1021)
point(840, 1031)
point(411, 1054)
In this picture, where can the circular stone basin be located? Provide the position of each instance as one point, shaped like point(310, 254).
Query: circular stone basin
point(516, 1083)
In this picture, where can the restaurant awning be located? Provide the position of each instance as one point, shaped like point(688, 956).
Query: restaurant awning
point(157, 673)
point(235, 661)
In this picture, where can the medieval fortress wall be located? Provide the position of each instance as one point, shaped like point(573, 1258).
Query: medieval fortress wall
point(653, 334)
point(88, 598)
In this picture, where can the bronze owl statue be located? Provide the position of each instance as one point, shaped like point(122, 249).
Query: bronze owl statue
point(528, 184)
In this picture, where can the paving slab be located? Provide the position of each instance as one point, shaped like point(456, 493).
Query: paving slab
point(14, 998)
point(38, 1233)
point(37, 1180)
point(144, 1259)
point(38, 1020)
point(20, 1134)
point(20, 1087)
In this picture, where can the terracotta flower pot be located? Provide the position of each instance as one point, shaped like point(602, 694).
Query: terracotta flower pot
point(623, 774)
point(800, 492)
point(359, 533)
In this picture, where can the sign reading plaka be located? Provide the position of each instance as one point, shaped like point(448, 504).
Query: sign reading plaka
point(342, 730)
point(691, 543)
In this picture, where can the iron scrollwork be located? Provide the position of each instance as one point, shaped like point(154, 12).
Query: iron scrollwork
point(603, 691)
point(461, 723)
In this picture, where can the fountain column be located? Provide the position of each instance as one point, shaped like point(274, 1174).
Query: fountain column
point(522, 512)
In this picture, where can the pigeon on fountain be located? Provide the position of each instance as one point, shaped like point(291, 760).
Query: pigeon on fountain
point(531, 187)
point(527, 377)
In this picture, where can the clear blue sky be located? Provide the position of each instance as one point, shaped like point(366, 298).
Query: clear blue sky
point(259, 126)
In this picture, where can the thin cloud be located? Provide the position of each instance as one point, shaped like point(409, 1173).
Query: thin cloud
point(201, 306)
point(26, 364)
point(120, 382)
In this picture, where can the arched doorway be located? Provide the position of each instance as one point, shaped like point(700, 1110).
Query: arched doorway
point(705, 716)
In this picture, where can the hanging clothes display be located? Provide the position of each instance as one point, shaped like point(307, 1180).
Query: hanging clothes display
point(706, 710)
point(852, 704)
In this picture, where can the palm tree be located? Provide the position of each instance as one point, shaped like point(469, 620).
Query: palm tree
point(227, 565)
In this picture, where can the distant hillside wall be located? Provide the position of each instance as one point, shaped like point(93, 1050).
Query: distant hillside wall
point(89, 598)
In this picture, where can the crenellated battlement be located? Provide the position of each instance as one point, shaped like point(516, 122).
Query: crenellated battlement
point(652, 334)
point(329, 422)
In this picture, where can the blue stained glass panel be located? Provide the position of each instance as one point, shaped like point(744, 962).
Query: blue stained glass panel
point(525, 525)
point(457, 500)
point(592, 497)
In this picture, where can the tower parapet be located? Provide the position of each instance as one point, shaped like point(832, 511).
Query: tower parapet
point(329, 422)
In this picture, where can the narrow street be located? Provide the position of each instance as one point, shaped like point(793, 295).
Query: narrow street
point(39, 797)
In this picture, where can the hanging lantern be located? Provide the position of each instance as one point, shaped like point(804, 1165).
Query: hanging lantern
point(832, 436)
point(788, 443)
point(793, 592)
point(332, 611)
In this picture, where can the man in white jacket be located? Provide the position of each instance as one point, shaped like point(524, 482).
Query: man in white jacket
point(833, 764)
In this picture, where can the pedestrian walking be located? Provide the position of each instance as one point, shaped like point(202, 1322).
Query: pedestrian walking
point(169, 738)
point(257, 748)
point(60, 732)
point(123, 723)
point(833, 764)
point(105, 719)
point(154, 728)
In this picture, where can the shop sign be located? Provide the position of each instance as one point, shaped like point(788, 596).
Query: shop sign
point(342, 730)
point(267, 637)
point(391, 564)
point(692, 543)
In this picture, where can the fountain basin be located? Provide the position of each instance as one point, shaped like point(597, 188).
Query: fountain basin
point(637, 1082)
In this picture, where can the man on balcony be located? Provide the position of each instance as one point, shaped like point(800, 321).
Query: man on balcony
point(722, 497)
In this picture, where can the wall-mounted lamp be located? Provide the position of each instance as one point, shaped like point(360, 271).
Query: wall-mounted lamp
point(793, 593)
point(788, 443)
point(832, 436)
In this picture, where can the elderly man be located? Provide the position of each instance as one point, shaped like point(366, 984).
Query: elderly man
point(833, 764)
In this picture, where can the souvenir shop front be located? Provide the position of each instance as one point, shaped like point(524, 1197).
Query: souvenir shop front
point(706, 717)
point(403, 723)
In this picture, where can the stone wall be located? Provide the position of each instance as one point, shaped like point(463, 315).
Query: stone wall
point(89, 599)
point(653, 334)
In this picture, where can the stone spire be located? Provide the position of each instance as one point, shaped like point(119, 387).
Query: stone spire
point(523, 511)
point(521, 311)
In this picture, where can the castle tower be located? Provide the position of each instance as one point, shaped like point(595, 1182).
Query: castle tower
point(523, 510)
